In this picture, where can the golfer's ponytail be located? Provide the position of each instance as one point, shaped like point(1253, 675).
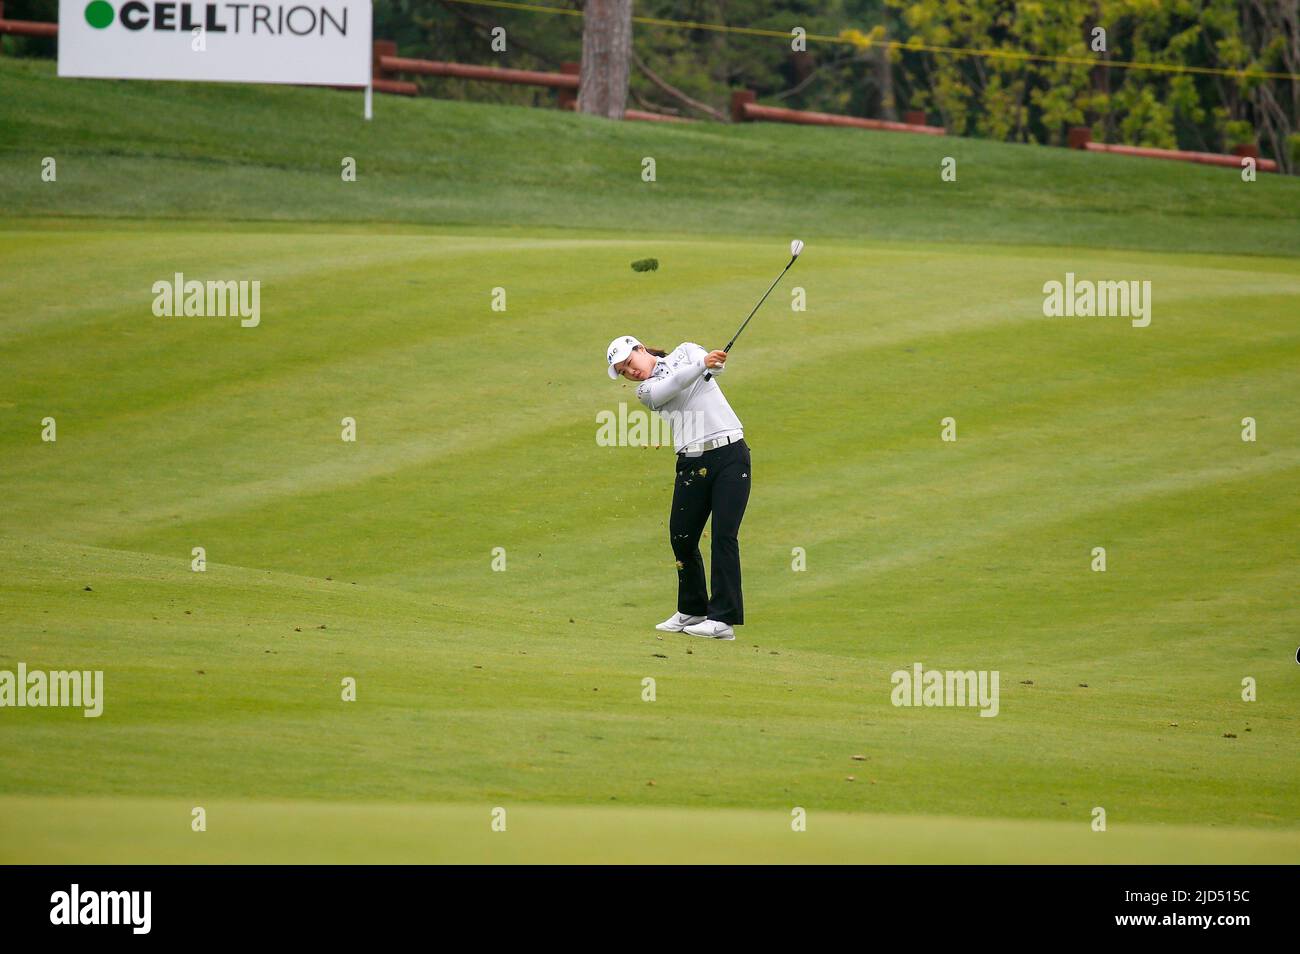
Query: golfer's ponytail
point(655, 351)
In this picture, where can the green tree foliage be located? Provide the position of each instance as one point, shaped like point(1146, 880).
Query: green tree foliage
point(1025, 99)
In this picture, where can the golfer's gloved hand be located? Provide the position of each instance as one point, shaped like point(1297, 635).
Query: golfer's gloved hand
point(714, 361)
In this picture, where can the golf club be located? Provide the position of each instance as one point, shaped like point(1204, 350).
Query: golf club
point(795, 248)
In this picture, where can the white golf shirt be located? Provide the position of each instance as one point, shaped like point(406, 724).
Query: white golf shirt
point(695, 409)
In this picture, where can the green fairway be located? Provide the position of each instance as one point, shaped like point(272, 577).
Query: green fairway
point(476, 429)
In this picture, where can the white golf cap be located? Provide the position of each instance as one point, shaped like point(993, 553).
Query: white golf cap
point(619, 349)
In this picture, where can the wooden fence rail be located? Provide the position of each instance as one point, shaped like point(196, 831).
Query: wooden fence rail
point(492, 74)
point(744, 109)
point(26, 27)
point(1081, 138)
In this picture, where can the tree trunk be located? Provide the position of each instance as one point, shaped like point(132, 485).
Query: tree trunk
point(606, 51)
point(885, 79)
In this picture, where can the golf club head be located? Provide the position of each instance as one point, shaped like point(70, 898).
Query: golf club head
point(795, 248)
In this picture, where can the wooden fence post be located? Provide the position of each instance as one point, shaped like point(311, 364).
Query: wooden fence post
point(1079, 137)
point(382, 48)
point(568, 98)
point(739, 100)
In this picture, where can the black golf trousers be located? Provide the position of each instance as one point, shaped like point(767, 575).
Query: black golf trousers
point(716, 482)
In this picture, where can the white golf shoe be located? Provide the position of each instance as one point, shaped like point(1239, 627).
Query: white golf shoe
point(678, 622)
point(711, 629)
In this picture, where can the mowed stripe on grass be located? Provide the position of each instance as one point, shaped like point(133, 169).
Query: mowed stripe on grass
point(157, 831)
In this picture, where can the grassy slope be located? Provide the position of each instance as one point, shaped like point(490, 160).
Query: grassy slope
point(241, 152)
point(477, 430)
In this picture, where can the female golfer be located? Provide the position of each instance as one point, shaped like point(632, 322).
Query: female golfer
point(712, 477)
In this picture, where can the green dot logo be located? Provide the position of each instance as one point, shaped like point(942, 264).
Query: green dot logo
point(99, 13)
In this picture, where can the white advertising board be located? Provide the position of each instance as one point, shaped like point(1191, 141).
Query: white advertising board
point(323, 41)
